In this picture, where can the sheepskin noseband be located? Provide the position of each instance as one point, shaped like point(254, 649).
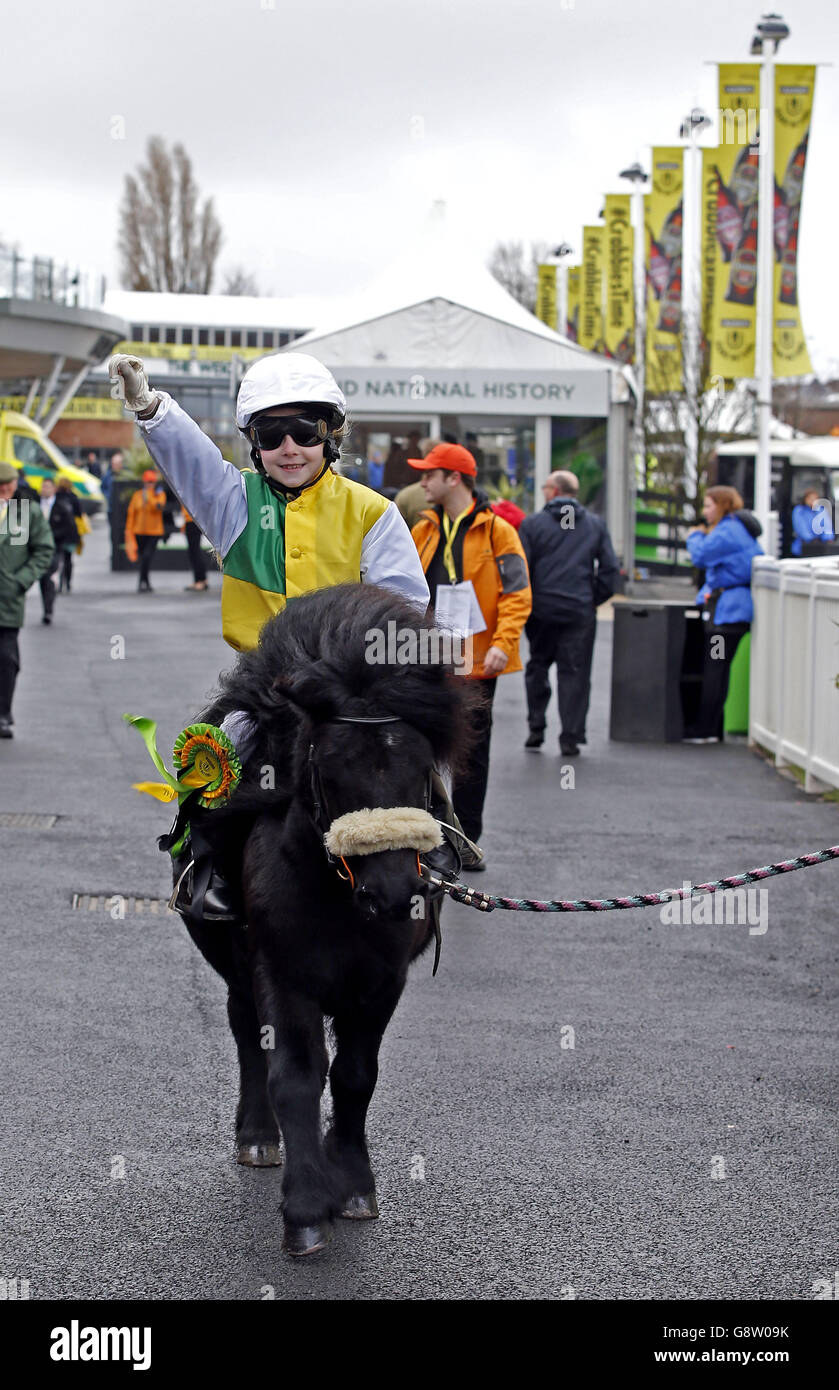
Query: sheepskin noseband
point(385, 827)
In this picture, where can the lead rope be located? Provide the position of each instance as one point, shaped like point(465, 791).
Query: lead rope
point(488, 902)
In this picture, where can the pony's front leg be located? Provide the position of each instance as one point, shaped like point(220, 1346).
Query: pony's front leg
point(352, 1081)
point(297, 1066)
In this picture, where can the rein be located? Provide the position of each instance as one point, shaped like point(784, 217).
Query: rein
point(488, 902)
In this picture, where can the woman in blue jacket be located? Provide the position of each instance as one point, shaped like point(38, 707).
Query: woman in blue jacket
point(724, 548)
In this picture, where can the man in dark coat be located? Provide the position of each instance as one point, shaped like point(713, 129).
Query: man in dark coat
point(26, 551)
point(573, 568)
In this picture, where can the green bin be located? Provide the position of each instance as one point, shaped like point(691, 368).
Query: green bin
point(736, 712)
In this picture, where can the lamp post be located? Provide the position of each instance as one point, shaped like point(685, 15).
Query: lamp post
point(542, 440)
point(768, 36)
point(637, 177)
point(691, 127)
point(558, 255)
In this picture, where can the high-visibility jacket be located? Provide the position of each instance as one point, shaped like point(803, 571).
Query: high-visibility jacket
point(145, 513)
point(494, 560)
point(272, 547)
point(143, 518)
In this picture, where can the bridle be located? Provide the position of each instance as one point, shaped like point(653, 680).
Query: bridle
point(320, 810)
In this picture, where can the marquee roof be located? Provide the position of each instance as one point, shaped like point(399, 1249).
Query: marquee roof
point(438, 306)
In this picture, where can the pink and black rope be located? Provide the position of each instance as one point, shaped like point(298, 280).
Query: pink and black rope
point(488, 902)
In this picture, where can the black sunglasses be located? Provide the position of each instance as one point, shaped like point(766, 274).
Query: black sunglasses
point(271, 430)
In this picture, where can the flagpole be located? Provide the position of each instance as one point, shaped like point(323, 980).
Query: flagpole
point(636, 176)
point(770, 31)
point(559, 256)
point(691, 127)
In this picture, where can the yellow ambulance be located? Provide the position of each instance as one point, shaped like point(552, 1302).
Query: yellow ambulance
point(24, 444)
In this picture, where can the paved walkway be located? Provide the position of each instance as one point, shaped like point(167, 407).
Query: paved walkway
point(679, 1148)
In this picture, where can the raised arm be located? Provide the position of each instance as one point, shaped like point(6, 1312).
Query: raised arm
point(211, 489)
point(705, 550)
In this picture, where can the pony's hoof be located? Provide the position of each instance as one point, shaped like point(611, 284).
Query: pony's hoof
point(361, 1206)
point(306, 1240)
point(259, 1155)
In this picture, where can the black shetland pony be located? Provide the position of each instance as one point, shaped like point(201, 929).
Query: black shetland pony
point(326, 939)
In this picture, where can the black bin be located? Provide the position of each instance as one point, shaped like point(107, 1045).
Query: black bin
point(166, 557)
point(657, 656)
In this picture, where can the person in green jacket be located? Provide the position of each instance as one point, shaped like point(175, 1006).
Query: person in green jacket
point(26, 552)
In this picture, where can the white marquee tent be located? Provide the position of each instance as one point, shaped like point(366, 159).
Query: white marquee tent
point(438, 334)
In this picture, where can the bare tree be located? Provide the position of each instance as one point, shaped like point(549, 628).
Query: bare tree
point(237, 280)
point(511, 267)
point(165, 242)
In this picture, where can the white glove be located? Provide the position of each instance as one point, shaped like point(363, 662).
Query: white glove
point(130, 383)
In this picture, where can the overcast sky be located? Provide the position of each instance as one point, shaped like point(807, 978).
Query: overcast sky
point(325, 129)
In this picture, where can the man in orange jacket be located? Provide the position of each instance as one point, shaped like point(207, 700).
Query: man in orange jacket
point(144, 526)
point(473, 554)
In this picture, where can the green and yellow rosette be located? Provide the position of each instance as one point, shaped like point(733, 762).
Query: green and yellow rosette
point(207, 765)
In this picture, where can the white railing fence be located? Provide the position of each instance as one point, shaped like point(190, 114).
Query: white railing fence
point(794, 680)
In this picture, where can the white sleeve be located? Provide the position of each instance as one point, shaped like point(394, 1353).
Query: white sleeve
point(389, 557)
point(211, 489)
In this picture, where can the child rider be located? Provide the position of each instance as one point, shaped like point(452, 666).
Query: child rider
point(288, 527)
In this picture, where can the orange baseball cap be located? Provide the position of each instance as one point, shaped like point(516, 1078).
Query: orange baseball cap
point(149, 476)
point(452, 457)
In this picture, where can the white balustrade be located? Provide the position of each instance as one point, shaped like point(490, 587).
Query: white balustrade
point(794, 680)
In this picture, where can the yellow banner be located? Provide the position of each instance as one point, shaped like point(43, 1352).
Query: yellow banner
point(732, 327)
point(707, 257)
point(619, 330)
point(546, 295)
point(573, 291)
point(591, 298)
point(663, 226)
point(180, 352)
point(79, 408)
point(794, 87)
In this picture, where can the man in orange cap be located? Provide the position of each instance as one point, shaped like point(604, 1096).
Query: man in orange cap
point(477, 574)
point(144, 526)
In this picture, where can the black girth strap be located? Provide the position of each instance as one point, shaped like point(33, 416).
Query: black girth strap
point(179, 827)
point(434, 908)
point(202, 853)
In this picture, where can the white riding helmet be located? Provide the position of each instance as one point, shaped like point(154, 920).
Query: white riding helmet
point(287, 378)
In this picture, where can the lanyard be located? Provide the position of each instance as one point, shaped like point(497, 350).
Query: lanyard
point(450, 531)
